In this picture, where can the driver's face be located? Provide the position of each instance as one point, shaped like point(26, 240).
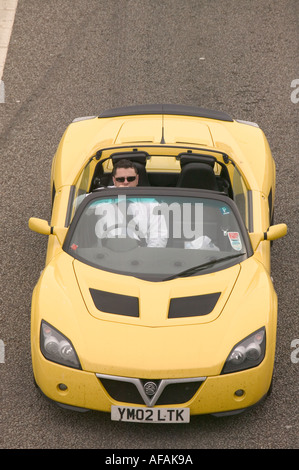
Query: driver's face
point(120, 179)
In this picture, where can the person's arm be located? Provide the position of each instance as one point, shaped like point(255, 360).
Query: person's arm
point(157, 233)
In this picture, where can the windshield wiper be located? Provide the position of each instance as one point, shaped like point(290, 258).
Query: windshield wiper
point(194, 269)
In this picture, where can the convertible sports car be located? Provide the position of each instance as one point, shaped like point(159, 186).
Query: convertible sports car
point(157, 332)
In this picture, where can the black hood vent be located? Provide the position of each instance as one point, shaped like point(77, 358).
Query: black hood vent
point(115, 303)
point(119, 304)
point(194, 306)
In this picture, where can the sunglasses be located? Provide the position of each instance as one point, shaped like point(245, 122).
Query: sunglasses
point(121, 179)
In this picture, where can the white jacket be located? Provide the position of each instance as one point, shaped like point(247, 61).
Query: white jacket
point(139, 220)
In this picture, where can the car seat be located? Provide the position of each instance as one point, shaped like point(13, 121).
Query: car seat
point(198, 176)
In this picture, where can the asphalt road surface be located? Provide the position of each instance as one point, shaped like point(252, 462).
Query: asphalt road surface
point(70, 58)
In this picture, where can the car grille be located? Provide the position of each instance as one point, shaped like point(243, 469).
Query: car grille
point(150, 392)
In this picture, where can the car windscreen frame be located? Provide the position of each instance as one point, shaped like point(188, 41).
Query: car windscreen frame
point(154, 192)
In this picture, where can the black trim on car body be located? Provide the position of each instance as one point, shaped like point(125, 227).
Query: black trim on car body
point(193, 306)
point(250, 211)
point(135, 153)
point(271, 207)
point(154, 192)
point(70, 206)
point(173, 109)
point(118, 304)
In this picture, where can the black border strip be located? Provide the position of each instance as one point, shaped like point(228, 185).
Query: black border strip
point(250, 211)
point(156, 192)
point(193, 306)
point(174, 109)
point(119, 304)
point(70, 206)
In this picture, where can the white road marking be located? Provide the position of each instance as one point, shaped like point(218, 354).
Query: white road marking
point(7, 16)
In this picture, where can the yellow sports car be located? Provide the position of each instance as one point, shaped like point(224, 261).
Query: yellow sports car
point(156, 301)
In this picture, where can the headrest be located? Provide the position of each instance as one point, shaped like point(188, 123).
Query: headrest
point(136, 157)
point(197, 175)
point(196, 158)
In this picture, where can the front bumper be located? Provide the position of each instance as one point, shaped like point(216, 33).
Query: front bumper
point(217, 394)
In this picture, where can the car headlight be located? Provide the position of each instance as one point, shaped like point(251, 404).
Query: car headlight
point(248, 353)
point(56, 347)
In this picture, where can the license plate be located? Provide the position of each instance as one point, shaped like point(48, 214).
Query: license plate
point(150, 415)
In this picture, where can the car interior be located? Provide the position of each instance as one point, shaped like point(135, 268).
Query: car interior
point(196, 171)
point(187, 170)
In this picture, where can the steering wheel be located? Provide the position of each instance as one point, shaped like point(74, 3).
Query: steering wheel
point(120, 244)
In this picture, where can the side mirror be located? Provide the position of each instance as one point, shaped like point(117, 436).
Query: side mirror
point(42, 226)
point(39, 226)
point(274, 232)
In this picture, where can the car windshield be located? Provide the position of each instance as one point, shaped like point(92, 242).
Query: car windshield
point(157, 238)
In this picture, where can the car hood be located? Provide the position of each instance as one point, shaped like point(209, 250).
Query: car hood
point(153, 345)
point(126, 299)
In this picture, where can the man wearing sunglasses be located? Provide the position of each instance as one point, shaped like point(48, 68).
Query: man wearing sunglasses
point(125, 174)
point(151, 227)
